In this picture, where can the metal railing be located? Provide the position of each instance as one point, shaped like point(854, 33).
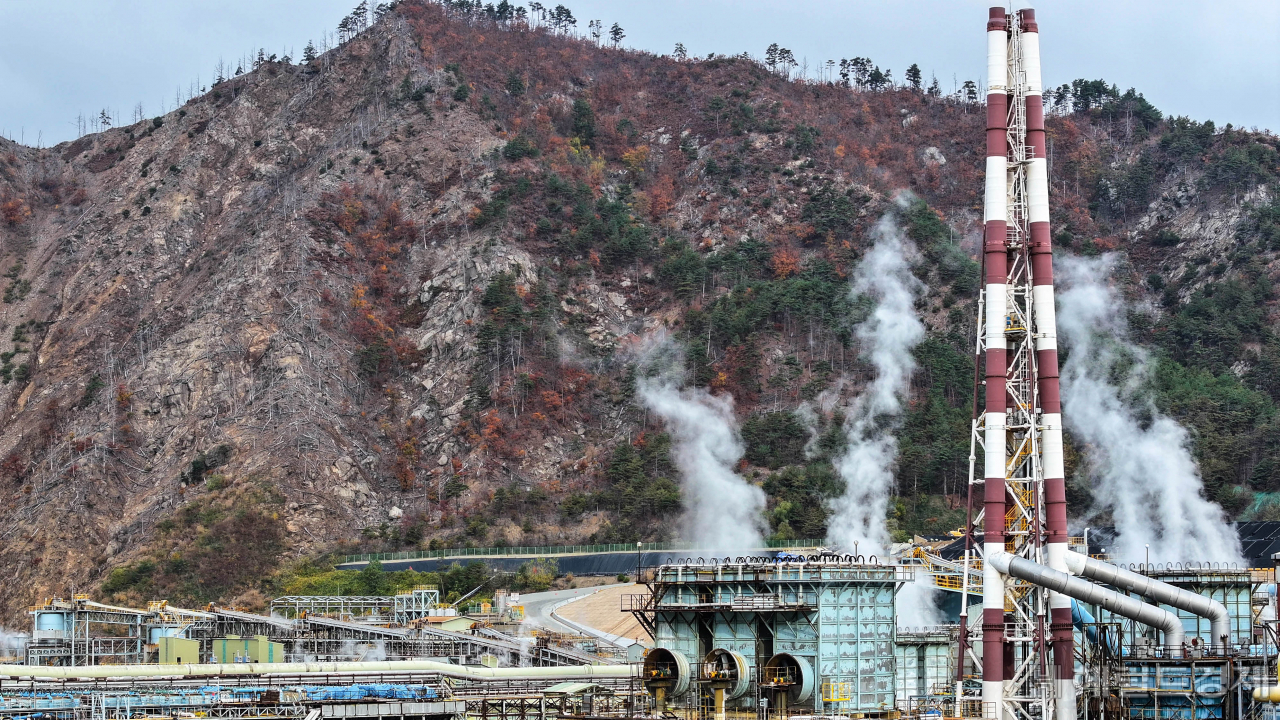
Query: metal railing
point(743, 603)
point(772, 602)
point(563, 550)
point(637, 603)
point(973, 708)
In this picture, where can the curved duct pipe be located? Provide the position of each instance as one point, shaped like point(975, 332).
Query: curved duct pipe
point(1082, 619)
point(1087, 592)
point(1104, 572)
point(1269, 694)
point(570, 672)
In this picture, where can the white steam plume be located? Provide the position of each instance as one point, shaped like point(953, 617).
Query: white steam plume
point(13, 644)
point(887, 338)
point(723, 512)
point(809, 412)
point(1142, 471)
point(917, 602)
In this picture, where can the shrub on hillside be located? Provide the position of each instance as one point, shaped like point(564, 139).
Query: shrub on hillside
point(774, 439)
point(519, 147)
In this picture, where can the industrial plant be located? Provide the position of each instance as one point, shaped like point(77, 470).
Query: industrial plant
point(1058, 630)
point(1033, 621)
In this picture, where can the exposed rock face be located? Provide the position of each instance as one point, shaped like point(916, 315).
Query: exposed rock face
point(175, 301)
point(176, 306)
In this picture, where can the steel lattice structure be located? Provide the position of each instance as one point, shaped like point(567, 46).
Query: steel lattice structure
point(1017, 503)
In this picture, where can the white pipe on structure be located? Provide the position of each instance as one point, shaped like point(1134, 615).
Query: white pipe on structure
point(568, 672)
point(1214, 611)
point(1085, 591)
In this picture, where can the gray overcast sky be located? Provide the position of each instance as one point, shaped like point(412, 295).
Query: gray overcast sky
point(1215, 60)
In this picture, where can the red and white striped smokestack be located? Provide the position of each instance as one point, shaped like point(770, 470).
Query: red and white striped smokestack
point(1046, 345)
point(995, 259)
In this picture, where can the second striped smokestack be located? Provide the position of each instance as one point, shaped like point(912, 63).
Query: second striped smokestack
point(1046, 346)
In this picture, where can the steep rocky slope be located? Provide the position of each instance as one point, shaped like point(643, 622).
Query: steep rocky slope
point(389, 299)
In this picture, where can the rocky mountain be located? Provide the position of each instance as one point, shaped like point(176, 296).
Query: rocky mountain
point(393, 297)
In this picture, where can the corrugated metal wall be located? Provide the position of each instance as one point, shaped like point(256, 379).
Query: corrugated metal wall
point(925, 663)
point(843, 624)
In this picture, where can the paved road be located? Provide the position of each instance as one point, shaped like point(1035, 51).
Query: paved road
point(600, 615)
point(539, 606)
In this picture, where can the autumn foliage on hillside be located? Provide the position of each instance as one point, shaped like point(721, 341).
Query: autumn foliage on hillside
point(367, 236)
point(736, 142)
point(406, 282)
point(872, 137)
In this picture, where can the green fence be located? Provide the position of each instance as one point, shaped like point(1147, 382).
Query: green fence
point(559, 550)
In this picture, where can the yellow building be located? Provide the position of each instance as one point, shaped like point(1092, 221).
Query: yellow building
point(178, 651)
point(453, 623)
point(235, 649)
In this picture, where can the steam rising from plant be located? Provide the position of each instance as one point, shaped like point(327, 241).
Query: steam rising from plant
point(13, 644)
point(375, 652)
point(887, 338)
point(722, 510)
point(808, 413)
point(917, 602)
point(1139, 460)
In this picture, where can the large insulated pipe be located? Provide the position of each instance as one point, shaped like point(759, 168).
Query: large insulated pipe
point(1046, 345)
point(996, 261)
point(1216, 612)
point(1269, 694)
point(569, 672)
point(1085, 591)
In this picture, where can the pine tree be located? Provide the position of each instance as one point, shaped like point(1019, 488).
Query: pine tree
point(877, 80)
point(864, 71)
point(970, 91)
point(786, 61)
point(680, 53)
point(584, 120)
point(914, 76)
point(1062, 98)
point(309, 53)
point(616, 34)
point(515, 84)
point(562, 19)
point(771, 57)
point(934, 90)
point(853, 73)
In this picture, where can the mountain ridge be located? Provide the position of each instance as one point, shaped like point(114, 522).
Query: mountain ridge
point(385, 299)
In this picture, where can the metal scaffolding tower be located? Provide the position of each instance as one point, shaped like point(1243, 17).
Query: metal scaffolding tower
point(1017, 503)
